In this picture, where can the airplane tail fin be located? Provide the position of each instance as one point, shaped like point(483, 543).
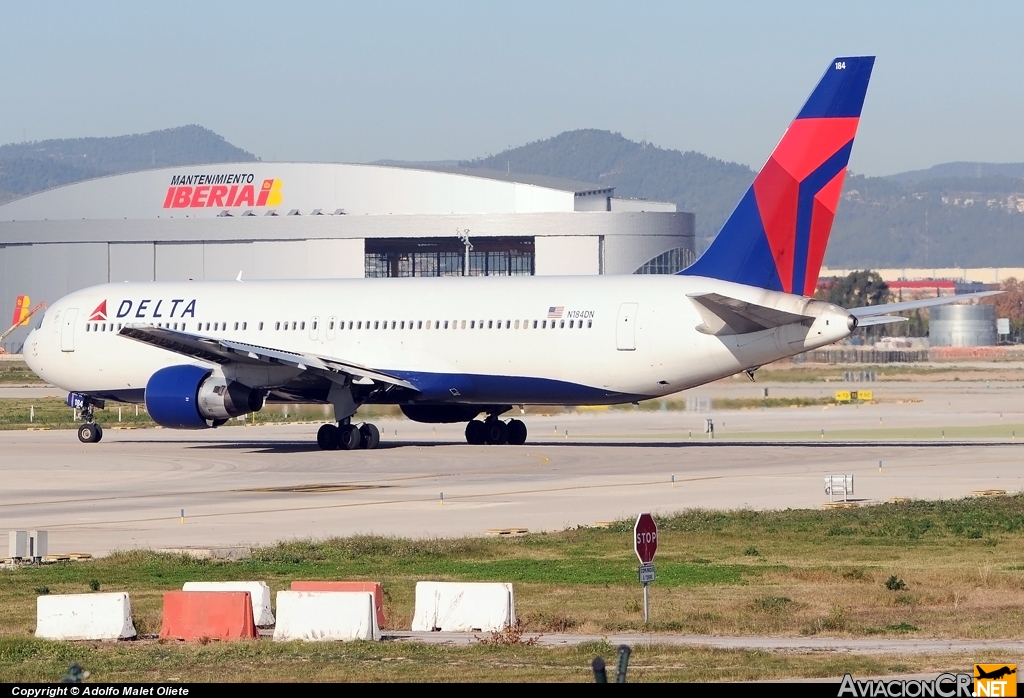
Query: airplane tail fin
point(21, 311)
point(776, 237)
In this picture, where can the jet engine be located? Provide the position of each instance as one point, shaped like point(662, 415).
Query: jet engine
point(192, 397)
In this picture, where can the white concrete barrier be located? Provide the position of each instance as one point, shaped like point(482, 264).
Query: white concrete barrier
point(463, 607)
point(84, 617)
point(326, 615)
point(259, 592)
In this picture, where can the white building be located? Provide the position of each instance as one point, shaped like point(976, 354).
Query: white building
point(312, 220)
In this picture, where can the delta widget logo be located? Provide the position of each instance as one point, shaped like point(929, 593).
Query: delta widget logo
point(100, 314)
point(222, 191)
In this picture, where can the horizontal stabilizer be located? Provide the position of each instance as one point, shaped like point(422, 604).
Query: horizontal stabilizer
point(879, 320)
point(886, 308)
point(222, 351)
point(727, 316)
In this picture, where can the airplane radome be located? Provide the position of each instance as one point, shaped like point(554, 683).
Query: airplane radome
point(455, 349)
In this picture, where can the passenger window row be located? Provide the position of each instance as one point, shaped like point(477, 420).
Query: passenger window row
point(298, 325)
point(458, 324)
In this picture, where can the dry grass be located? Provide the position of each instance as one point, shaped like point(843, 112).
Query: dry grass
point(948, 569)
point(251, 662)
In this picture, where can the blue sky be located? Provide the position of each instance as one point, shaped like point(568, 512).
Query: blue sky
point(351, 82)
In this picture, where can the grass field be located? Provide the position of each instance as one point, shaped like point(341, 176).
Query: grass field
point(18, 373)
point(949, 569)
point(263, 661)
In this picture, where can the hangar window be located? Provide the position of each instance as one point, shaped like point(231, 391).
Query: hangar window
point(670, 262)
point(490, 256)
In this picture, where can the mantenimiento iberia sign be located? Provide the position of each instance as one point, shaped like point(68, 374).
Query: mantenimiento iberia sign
point(221, 191)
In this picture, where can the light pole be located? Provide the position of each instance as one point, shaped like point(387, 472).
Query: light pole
point(464, 236)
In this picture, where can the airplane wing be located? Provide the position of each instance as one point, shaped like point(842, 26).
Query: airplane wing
point(222, 351)
point(726, 316)
point(886, 308)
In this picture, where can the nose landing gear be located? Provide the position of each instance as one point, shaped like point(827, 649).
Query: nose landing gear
point(90, 432)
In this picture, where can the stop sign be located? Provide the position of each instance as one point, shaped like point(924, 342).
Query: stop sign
point(645, 538)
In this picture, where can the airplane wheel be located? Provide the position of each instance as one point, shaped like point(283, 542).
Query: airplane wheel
point(349, 437)
point(90, 433)
point(476, 433)
point(327, 437)
point(497, 432)
point(371, 436)
point(516, 432)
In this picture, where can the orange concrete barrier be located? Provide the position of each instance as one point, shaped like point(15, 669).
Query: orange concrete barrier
point(217, 615)
point(375, 587)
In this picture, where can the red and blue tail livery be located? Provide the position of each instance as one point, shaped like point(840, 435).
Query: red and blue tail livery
point(776, 237)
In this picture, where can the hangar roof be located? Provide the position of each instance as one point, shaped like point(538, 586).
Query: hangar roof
point(290, 188)
point(575, 186)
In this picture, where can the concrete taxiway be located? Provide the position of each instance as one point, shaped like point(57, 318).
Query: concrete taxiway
point(257, 485)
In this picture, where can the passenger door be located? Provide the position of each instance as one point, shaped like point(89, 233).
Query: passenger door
point(67, 332)
point(625, 327)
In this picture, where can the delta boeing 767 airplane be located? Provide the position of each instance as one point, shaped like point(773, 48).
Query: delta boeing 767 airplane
point(452, 349)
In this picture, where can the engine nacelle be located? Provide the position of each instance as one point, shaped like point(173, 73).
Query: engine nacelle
point(191, 397)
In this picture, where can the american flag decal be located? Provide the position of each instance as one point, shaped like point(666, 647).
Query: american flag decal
point(556, 311)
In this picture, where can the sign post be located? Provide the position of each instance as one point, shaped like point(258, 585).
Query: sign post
point(645, 543)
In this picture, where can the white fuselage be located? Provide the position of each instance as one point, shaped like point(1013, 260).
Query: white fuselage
point(555, 340)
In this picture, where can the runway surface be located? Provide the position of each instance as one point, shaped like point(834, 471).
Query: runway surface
point(257, 485)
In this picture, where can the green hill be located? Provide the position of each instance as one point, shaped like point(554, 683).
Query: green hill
point(945, 216)
point(706, 186)
point(26, 168)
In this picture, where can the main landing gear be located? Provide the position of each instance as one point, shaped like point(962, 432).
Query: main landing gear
point(347, 437)
point(496, 432)
point(90, 432)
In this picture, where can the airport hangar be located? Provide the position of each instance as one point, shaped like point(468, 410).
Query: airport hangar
point(276, 220)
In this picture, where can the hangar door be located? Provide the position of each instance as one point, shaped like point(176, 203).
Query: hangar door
point(67, 332)
point(625, 327)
